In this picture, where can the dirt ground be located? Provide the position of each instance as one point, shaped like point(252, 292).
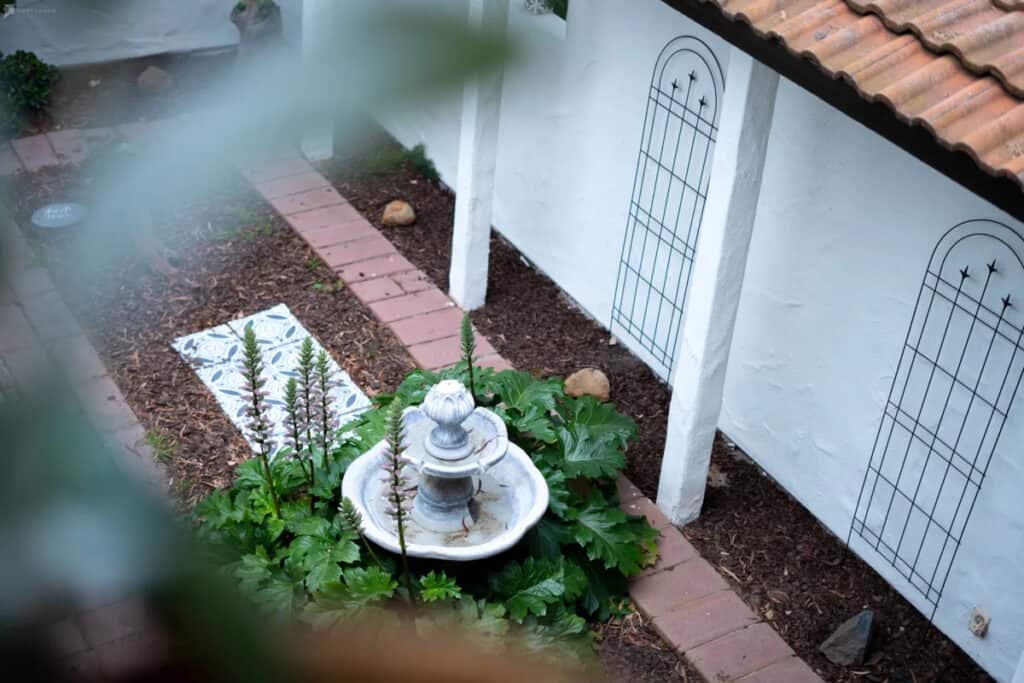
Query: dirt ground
point(789, 568)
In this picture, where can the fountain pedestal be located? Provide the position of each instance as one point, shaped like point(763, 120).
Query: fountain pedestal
point(477, 493)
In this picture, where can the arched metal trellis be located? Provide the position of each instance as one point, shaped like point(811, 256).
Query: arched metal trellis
point(667, 202)
point(958, 374)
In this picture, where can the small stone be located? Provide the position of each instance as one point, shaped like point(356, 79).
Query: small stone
point(848, 645)
point(398, 213)
point(979, 623)
point(613, 340)
point(588, 382)
point(717, 479)
point(155, 79)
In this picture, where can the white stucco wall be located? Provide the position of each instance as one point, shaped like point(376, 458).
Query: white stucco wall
point(572, 113)
point(74, 32)
point(845, 226)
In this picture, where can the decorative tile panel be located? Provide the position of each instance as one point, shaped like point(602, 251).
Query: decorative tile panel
point(216, 354)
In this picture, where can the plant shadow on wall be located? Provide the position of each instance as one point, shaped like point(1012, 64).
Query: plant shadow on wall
point(296, 547)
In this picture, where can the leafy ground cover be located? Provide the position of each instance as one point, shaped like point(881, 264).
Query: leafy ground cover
point(295, 547)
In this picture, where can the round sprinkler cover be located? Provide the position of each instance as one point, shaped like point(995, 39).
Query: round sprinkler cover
point(60, 215)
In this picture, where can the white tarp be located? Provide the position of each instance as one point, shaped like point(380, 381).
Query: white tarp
point(71, 32)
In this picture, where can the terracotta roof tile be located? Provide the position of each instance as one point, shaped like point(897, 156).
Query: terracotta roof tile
point(984, 37)
point(968, 106)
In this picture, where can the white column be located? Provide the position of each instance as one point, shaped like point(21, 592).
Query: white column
point(317, 142)
point(1019, 676)
point(478, 148)
point(702, 354)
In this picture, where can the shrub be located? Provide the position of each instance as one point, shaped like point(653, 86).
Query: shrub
point(27, 82)
point(394, 158)
point(306, 557)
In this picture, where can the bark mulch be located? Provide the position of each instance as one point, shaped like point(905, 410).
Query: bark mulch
point(217, 257)
point(631, 652)
point(786, 565)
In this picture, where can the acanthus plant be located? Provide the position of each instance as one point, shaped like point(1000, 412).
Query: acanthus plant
point(314, 562)
point(400, 491)
point(258, 424)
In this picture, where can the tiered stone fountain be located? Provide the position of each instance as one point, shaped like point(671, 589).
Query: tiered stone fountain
point(477, 493)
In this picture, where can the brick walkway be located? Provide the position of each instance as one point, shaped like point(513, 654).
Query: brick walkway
point(685, 598)
point(111, 636)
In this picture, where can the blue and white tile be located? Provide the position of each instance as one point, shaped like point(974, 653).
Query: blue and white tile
point(215, 356)
point(227, 383)
point(274, 327)
point(348, 399)
point(210, 347)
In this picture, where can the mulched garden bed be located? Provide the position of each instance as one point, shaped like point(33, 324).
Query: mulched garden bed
point(222, 256)
point(786, 565)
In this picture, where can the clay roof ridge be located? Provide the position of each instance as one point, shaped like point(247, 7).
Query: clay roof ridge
point(986, 37)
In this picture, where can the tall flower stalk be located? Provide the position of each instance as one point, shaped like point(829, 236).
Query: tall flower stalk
point(354, 521)
point(259, 427)
point(399, 493)
point(307, 385)
point(324, 413)
point(468, 349)
point(295, 426)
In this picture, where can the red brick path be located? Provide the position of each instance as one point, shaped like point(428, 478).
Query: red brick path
point(110, 637)
point(403, 298)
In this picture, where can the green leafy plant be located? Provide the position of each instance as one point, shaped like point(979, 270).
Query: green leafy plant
point(354, 521)
point(437, 587)
point(417, 156)
point(314, 562)
point(27, 84)
point(393, 158)
point(328, 287)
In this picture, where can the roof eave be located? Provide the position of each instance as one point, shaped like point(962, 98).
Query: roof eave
point(914, 139)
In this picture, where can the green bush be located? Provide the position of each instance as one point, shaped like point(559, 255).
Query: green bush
point(311, 561)
point(394, 158)
point(26, 83)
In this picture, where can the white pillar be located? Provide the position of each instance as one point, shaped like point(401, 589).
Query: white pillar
point(317, 142)
point(702, 354)
point(478, 149)
point(1019, 676)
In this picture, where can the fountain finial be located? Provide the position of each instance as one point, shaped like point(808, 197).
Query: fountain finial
point(449, 404)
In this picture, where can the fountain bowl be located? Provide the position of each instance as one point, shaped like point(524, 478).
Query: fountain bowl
point(512, 496)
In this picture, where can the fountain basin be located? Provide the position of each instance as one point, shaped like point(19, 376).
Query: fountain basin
point(508, 500)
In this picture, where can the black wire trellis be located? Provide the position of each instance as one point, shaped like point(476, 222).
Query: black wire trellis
point(958, 374)
point(667, 202)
